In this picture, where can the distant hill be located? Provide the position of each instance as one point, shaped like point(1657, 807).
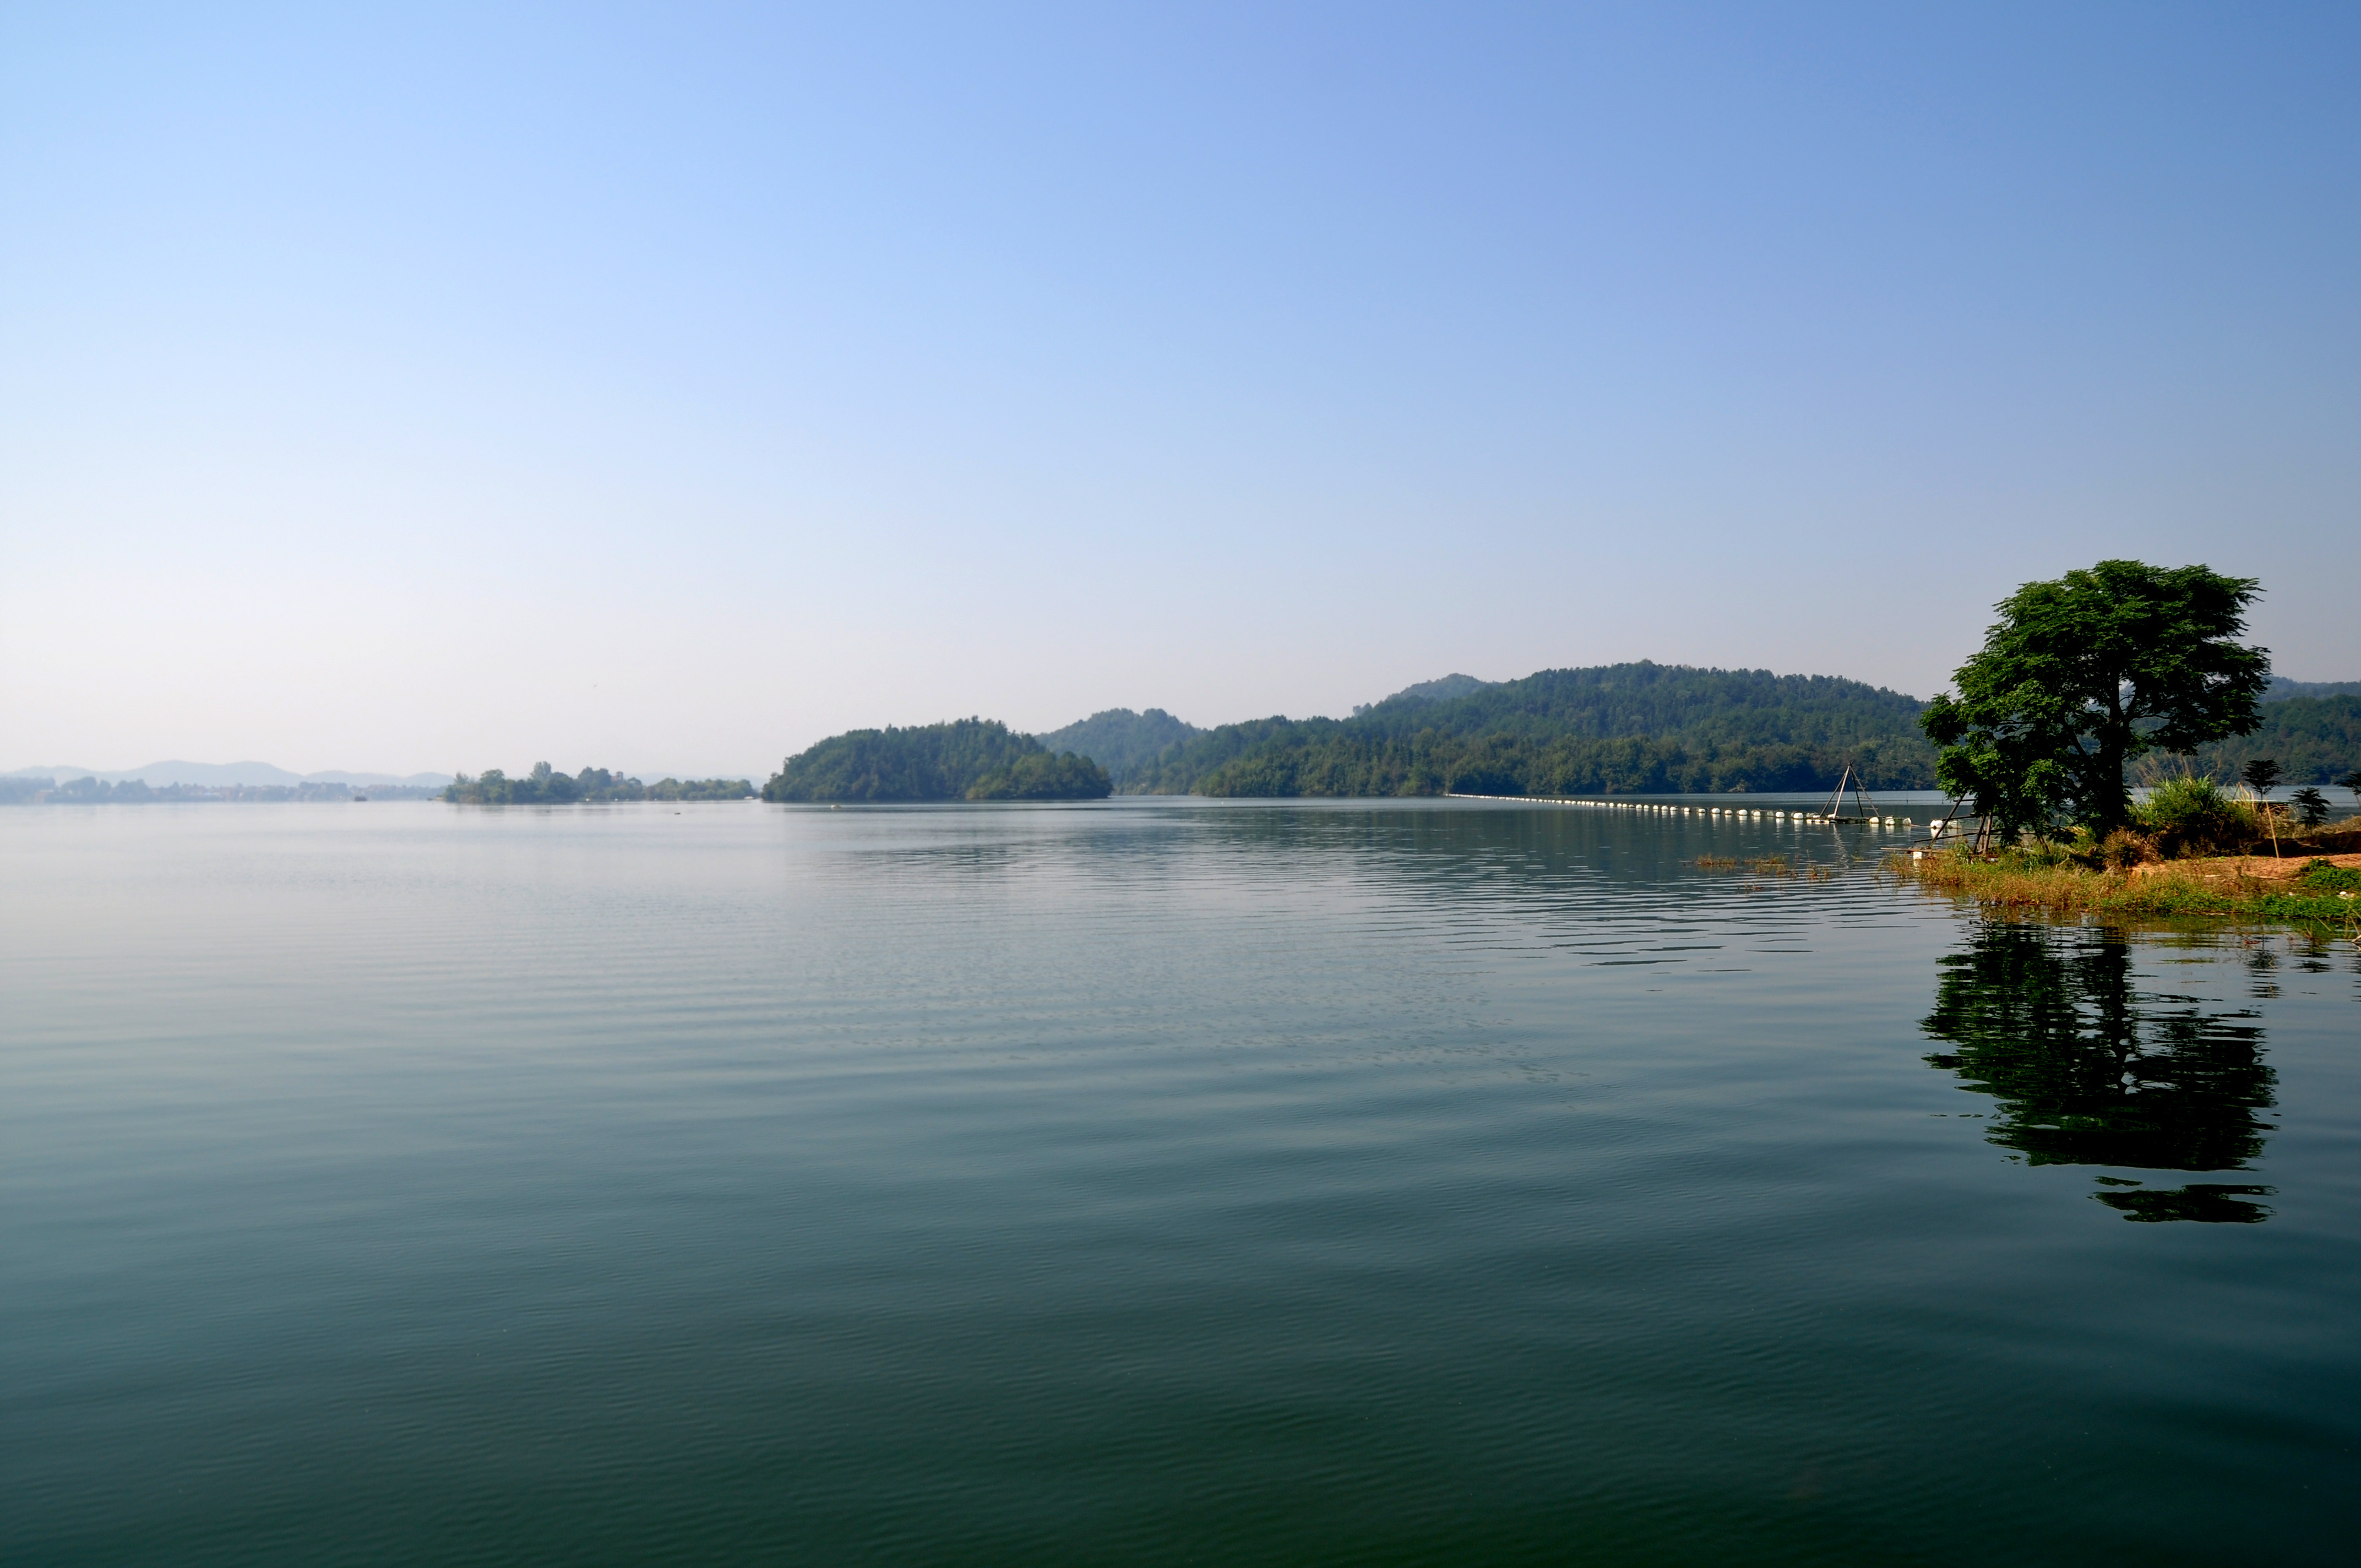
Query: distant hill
point(2282, 688)
point(1442, 688)
point(2316, 739)
point(1120, 739)
point(1641, 728)
point(972, 759)
point(175, 771)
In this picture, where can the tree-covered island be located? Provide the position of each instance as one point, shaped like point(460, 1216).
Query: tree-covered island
point(968, 759)
point(543, 787)
point(1614, 729)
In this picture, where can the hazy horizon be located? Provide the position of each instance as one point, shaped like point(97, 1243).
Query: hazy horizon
point(412, 775)
point(389, 389)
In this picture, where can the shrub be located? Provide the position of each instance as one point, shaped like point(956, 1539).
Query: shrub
point(2320, 876)
point(2194, 816)
point(2036, 855)
point(2124, 848)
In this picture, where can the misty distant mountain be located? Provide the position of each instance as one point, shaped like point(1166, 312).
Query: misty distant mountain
point(173, 771)
point(1120, 739)
point(423, 781)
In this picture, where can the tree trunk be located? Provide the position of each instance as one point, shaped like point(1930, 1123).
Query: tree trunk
point(2110, 814)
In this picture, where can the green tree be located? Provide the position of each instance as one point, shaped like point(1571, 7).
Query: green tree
point(2083, 674)
point(2311, 805)
point(2261, 775)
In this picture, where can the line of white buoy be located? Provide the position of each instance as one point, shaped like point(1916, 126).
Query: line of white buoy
point(1734, 813)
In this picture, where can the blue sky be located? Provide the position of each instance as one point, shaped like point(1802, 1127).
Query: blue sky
point(669, 387)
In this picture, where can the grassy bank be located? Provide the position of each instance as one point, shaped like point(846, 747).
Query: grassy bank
point(2313, 890)
point(2191, 848)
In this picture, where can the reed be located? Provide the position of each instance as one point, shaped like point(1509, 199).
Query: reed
point(1784, 866)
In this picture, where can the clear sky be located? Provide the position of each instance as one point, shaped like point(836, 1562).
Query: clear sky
point(669, 386)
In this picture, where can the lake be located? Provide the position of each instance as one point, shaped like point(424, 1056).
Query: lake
point(1147, 1181)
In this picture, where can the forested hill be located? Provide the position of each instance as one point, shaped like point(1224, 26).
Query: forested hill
point(2282, 688)
point(2316, 739)
point(970, 759)
point(1120, 739)
point(1619, 728)
point(1442, 688)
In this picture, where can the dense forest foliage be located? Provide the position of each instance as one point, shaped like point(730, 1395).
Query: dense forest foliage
point(1044, 775)
point(1120, 739)
point(543, 787)
point(1619, 728)
point(2316, 740)
point(970, 759)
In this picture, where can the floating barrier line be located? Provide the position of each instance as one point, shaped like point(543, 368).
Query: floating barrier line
point(1763, 813)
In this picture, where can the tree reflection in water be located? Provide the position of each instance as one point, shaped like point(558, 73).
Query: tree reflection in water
point(2088, 1071)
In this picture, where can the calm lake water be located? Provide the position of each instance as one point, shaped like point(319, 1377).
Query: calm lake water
point(1152, 1181)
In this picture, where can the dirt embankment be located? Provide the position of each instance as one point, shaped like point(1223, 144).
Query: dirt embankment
point(2226, 870)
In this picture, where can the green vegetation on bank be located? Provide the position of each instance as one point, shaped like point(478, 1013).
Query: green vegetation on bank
point(2190, 849)
point(1120, 739)
point(543, 787)
point(969, 759)
point(1620, 727)
point(2319, 892)
point(2082, 677)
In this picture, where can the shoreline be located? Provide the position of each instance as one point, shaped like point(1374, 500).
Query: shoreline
point(2291, 889)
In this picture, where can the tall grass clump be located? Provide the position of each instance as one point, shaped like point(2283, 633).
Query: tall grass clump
point(2195, 817)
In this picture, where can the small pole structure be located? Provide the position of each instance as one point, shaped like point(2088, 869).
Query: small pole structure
point(1867, 807)
point(1836, 797)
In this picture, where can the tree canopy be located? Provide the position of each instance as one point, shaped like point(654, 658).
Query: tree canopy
point(1044, 775)
point(2083, 674)
point(979, 758)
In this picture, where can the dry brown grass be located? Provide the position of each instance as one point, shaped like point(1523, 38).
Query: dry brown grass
point(2242, 870)
point(1780, 866)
